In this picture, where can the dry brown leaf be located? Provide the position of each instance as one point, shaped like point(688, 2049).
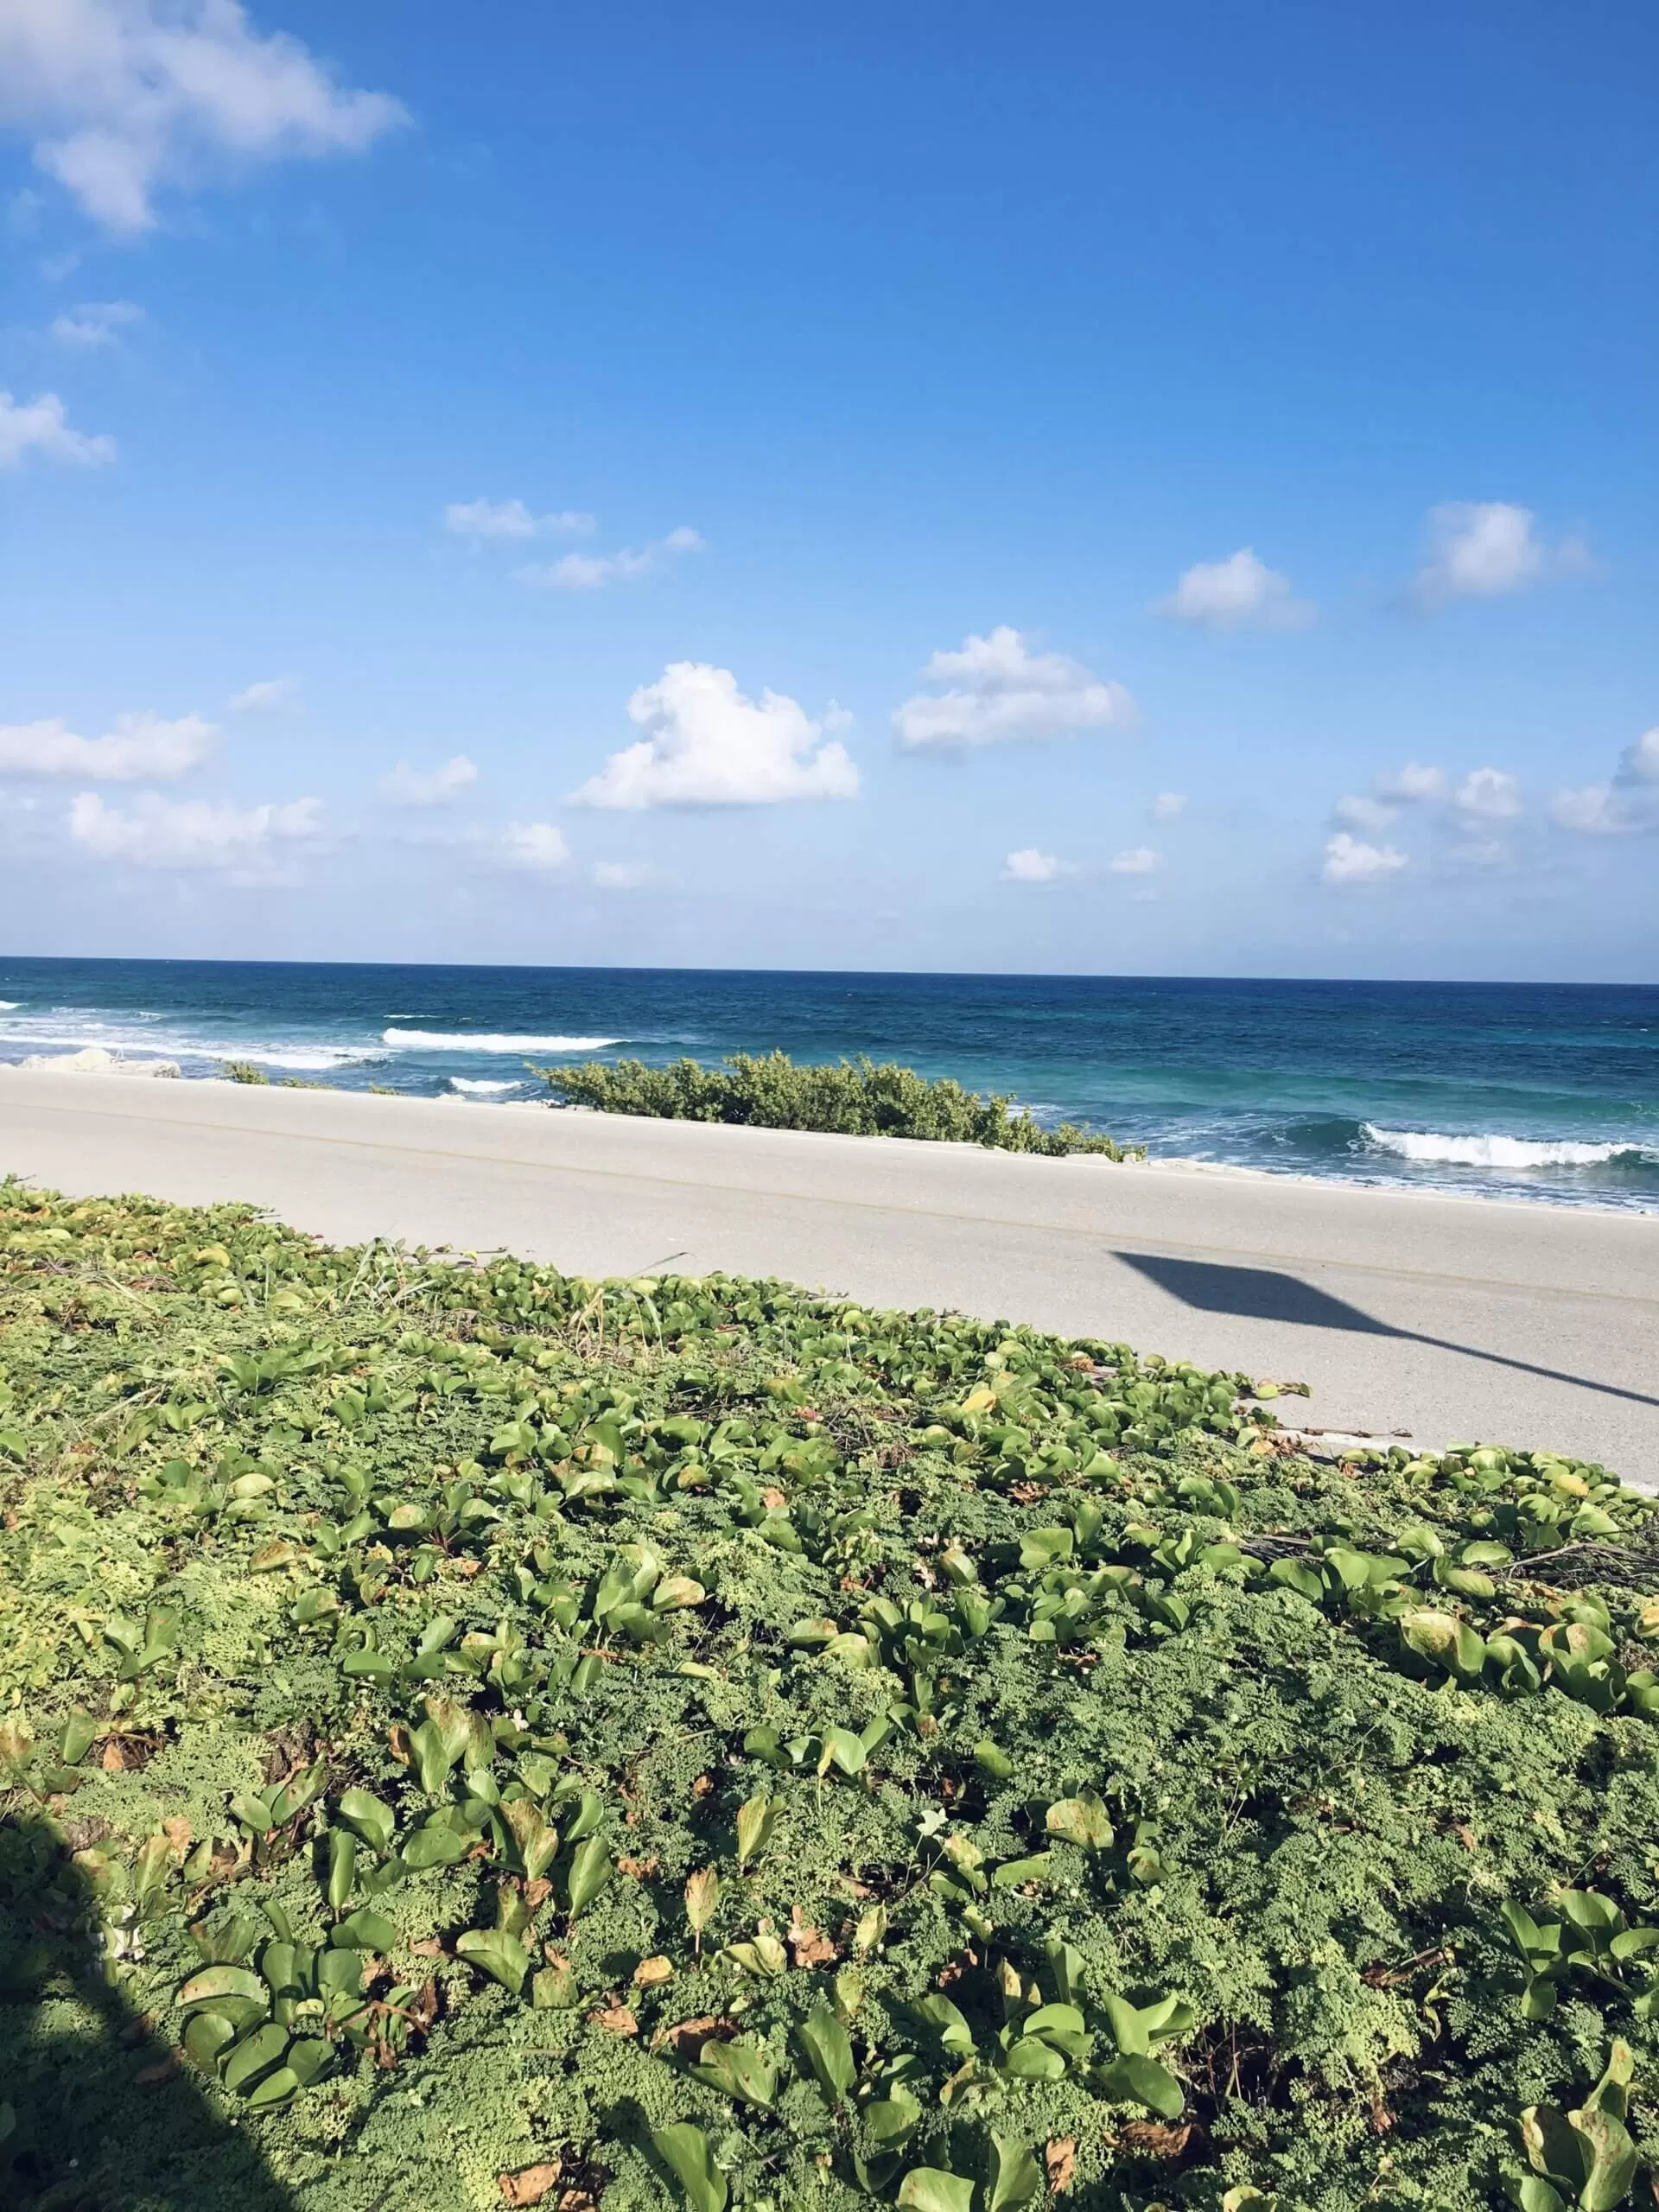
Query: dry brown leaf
point(703, 1785)
point(650, 1974)
point(151, 2077)
point(616, 2019)
point(537, 1892)
point(1157, 2139)
point(811, 1948)
point(1060, 2162)
point(177, 1832)
point(640, 1869)
point(430, 1946)
point(689, 2037)
point(530, 2185)
point(773, 1498)
point(112, 1758)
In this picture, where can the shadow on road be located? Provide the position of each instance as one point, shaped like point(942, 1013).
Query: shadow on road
point(1265, 1294)
point(96, 2114)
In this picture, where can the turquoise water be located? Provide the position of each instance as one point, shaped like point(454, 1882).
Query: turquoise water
point(1510, 1090)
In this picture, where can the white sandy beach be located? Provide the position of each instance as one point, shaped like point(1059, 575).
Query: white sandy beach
point(1413, 1315)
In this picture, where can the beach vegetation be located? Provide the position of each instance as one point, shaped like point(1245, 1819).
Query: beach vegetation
point(471, 1735)
point(858, 1098)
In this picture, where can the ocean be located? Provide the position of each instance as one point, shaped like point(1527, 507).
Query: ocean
point(1511, 1090)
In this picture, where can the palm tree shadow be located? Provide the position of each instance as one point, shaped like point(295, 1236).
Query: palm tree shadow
point(104, 2116)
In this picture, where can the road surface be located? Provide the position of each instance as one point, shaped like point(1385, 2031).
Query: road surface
point(1428, 1318)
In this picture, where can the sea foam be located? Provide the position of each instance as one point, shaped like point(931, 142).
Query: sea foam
point(437, 1040)
point(1428, 1147)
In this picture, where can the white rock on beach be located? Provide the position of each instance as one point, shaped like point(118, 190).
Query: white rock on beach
point(95, 1059)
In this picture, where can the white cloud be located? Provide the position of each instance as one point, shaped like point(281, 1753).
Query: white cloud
point(510, 518)
point(1029, 866)
point(41, 426)
point(538, 847)
point(270, 696)
point(245, 845)
point(707, 744)
point(142, 748)
point(998, 689)
point(1593, 811)
point(1349, 860)
point(1625, 806)
point(623, 875)
point(1412, 786)
point(1140, 860)
point(1241, 592)
point(119, 97)
point(1167, 805)
point(1491, 794)
point(1486, 549)
point(95, 324)
point(409, 786)
point(593, 571)
point(1359, 812)
point(1415, 785)
point(1639, 763)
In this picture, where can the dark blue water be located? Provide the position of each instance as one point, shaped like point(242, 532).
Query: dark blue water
point(1538, 1089)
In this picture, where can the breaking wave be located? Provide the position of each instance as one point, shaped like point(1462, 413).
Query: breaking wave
point(1426, 1145)
point(437, 1040)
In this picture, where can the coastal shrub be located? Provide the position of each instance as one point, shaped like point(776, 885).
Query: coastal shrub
point(473, 1735)
point(860, 1097)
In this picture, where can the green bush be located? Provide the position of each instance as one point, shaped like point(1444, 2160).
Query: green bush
point(860, 1099)
point(474, 1735)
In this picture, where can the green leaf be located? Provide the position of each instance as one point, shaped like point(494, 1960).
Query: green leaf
point(702, 1900)
point(204, 2037)
point(1610, 2157)
point(841, 1749)
point(1532, 2193)
point(436, 1842)
point(755, 1822)
point(1014, 1871)
point(342, 1867)
point(685, 2150)
point(255, 2055)
point(740, 2070)
point(214, 1983)
point(1015, 2176)
point(1554, 2149)
point(829, 2053)
point(498, 1953)
point(537, 1837)
point(275, 2090)
point(1136, 2080)
point(1044, 1547)
point(938, 2011)
point(553, 1989)
point(590, 1869)
point(1081, 1820)
point(365, 1930)
point(931, 2188)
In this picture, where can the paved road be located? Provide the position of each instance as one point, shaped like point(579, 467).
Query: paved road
point(1432, 1318)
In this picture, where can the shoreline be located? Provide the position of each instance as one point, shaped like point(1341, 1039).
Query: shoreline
point(1444, 1317)
point(161, 1070)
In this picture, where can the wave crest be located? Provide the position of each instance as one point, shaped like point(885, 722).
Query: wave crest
point(437, 1040)
point(1427, 1146)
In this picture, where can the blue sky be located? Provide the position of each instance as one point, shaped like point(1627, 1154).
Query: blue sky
point(1065, 489)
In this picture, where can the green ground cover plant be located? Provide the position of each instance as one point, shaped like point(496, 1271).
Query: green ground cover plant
point(471, 1736)
point(861, 1097)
